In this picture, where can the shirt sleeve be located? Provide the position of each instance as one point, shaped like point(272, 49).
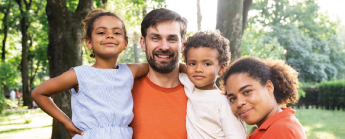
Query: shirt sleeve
point(232, 126)
point(188, 85)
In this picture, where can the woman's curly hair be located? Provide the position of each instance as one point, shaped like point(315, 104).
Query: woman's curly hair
point(212, 40)
point(283, 77)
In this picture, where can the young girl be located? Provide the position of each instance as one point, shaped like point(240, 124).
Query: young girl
point(208, 112)
point(101, 94)
point(256, 88)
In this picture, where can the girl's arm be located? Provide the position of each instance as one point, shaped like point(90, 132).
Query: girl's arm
point(139, 70)
point(53, 86)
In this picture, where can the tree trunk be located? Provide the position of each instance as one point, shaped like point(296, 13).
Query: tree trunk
point(4, 21)
point(199, 16)
point(246, 6)
point(64, 49)
point(229, 23)
point(27, 101)
point(104, 4)
point(144, 9)
point(135, 45)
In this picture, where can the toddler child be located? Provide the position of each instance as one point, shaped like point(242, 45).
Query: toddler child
point(208, 111)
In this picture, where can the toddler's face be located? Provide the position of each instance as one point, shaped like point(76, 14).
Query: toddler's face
point(203, 67)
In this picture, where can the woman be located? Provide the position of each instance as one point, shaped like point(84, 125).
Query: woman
point(256, 89)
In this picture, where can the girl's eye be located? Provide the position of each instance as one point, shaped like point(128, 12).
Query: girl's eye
point(207, 64)
point(102, 33)
point(117, 33)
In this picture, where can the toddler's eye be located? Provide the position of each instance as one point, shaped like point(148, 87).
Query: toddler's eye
point(207, 64)
point(191, 64)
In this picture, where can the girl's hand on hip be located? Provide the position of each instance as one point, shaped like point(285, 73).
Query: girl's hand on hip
point(73, 130)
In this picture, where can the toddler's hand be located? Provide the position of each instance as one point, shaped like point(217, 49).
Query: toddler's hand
point(73, 130)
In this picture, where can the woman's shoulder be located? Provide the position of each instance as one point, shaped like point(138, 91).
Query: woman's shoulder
point(289, 126)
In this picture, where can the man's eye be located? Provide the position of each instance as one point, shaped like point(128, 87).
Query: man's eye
point(173, 39)
point(155, 38)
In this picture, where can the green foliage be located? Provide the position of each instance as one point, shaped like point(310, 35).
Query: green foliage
point(328, 95)
point(295, 31)
point(331, 94)
point(9, 74)
point(257, 43)
point(3, 104)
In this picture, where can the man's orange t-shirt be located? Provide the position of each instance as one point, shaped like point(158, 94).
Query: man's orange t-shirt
point(159, 113)
point(283, 125)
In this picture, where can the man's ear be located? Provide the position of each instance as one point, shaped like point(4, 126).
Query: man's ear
point(143, 43)
point(88, 43)
point(222, 69)
point(270, 87)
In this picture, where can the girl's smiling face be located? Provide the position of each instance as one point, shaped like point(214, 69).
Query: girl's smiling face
point(107, 38)
point(249, 99)
point(203, 67)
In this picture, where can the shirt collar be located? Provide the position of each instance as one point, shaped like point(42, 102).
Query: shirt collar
point(275, 117)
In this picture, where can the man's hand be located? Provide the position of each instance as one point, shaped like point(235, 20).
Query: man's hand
point(72, 129)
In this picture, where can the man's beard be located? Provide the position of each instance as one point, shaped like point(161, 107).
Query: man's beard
point(162, 67)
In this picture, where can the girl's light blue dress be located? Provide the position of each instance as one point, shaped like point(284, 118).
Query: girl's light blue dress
point(103, 106)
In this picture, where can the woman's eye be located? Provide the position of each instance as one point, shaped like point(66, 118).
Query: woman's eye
point(231, 99)
point(117, 33)
point(246, 92)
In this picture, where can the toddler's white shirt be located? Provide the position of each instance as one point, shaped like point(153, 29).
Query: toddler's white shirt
point(209, 114)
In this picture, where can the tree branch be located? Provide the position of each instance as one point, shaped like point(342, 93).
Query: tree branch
point(83, 8)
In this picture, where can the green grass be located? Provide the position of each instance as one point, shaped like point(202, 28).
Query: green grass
point(35, 124)
point(25, 123)
point(320, 124)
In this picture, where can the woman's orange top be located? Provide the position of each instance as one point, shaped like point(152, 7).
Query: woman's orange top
point(282, 125)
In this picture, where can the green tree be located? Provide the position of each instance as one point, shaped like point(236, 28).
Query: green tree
point(306, 36)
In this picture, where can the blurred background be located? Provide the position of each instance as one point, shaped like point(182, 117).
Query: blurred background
point(42, 39)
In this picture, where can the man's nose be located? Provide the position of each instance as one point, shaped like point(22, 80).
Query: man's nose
point(164, 45)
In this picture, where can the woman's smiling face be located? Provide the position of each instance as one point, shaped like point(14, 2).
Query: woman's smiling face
point(249, 99)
